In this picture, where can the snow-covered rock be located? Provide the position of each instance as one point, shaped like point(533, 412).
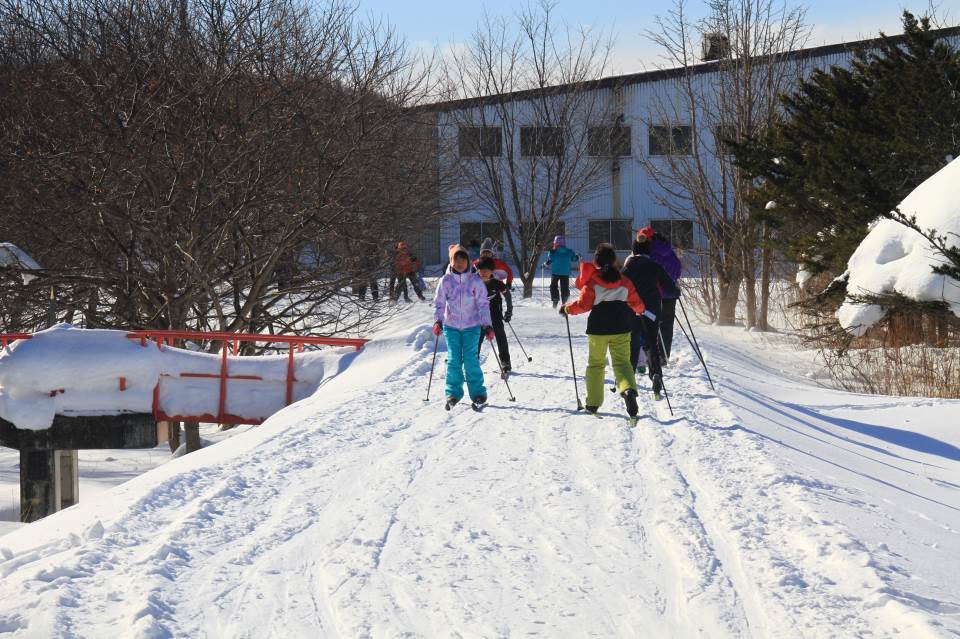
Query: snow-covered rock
point(896, 259)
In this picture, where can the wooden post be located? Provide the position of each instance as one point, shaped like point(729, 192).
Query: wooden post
point(174, 437)
point(68, 478)
point(191, 432)
point(38, 487)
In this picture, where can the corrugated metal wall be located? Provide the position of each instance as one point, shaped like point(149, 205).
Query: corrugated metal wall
point(640, 195)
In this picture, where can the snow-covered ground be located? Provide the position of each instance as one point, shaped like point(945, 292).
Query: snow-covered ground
point(772, 508)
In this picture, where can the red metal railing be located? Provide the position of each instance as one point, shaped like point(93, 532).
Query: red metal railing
point(12, 337)
point(231, 343)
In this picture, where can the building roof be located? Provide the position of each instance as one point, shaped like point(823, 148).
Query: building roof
point(611, 82)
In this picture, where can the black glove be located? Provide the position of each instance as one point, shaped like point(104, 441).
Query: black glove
point(508, 316)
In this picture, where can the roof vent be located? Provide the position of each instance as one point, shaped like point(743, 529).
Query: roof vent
point(716, 46)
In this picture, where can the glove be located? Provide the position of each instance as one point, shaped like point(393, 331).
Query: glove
point(563, 309)
point(650, 316)
point(508, 316)
point(437, 328)
point(488, 332)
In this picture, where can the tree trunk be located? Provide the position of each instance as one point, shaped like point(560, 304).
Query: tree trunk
point(750, 294)
point(528, 281)
point(727, 304)
point(766, 266)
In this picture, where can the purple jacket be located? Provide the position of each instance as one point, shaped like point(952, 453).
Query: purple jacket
point(461, 301)
point(662, 253)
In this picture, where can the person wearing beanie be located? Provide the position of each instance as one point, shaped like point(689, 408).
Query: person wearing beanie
point(560, 260)
point(462, 313)
point(612, 302)
point(501, 270)
point(405, 266)
point(663, 254)
point(497, 293)
point(651, 282)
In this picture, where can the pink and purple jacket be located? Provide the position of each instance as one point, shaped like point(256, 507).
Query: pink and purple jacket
point(461, 301)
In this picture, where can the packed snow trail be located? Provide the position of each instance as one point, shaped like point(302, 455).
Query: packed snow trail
point(365, 512)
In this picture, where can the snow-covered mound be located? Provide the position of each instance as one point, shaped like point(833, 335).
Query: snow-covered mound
point(896, 259)
point(773, 508)
point(70, 371)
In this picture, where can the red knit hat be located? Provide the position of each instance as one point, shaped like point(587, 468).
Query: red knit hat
point(647, 232)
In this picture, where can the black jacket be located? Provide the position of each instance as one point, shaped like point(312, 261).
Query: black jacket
point(650, 280)
point(495, 289)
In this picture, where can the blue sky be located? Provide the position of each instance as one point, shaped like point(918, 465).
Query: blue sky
point(429, 23)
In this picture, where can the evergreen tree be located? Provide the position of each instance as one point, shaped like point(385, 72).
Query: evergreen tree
point(854, 142)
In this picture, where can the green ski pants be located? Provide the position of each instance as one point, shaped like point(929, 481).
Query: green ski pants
point(619, 347)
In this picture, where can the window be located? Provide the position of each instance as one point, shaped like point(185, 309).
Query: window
point(679, 232)
point(608, 141)
point(480, 141)
point(616, 232)
point(671, 140)
point(722, 133)
point(472, 234)
point(541, 141)
point(546, 235)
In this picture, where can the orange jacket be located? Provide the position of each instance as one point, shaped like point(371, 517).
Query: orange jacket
point(613, 304)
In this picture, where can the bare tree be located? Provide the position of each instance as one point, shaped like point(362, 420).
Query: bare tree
point(210, 164)
point(518, 137)
point(736, 63)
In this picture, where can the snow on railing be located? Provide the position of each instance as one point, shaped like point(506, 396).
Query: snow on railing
point(233, 341)
point(182, 399)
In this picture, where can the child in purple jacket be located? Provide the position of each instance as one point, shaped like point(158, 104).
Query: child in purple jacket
point(663, 254)
point(462, 312)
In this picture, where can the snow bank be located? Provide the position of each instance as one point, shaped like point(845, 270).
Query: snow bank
point(13, 255)
point(69, 371)
point(896, 259)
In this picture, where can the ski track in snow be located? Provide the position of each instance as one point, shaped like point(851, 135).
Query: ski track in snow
point(384, 515)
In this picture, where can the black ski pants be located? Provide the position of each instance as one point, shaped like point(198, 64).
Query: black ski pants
point(401, 286)
point(503, 348)
point(667, 314)
point(646, 336)
point(361, 290)
point(561, 293)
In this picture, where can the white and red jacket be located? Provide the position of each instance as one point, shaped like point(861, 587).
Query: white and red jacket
point(612, 305)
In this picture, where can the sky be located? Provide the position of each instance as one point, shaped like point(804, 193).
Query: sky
point(432, 24)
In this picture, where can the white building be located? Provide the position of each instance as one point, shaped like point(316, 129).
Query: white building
point(626, 198)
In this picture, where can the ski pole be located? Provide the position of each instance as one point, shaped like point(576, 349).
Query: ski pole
point(502, 373)
point(436, 343)
point(663, 387)
point(573, 366)
point(694, 344)
point(517, 337)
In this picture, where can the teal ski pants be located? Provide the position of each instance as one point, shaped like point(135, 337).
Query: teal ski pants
point(463, 356)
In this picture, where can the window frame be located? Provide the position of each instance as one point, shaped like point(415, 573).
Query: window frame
point(655, 135)
point(602, 141)
point(534, 140)
point(485, 134)
point(626, 231)
point(673, 234)
point(498, 237)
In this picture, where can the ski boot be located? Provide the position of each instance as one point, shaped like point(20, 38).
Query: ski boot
point(451, 402)
point(477, 403)
point(630, 399)
point(505, 373)
point(592, 410)
point(657, 388)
